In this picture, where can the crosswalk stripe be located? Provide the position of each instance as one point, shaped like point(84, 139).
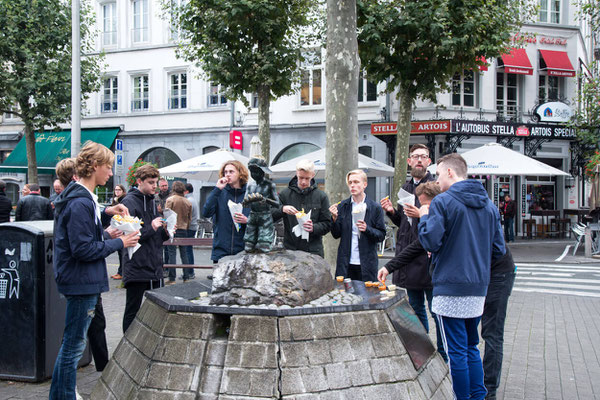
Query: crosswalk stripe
point(554, 266)
point(553, 291)
point(550, 279)
point(560, 285)
point(565, 274)
point(557, 269)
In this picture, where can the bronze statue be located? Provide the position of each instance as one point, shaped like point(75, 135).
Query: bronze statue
point(260, 196)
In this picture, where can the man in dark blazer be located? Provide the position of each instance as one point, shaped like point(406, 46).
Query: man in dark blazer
point(357, 252)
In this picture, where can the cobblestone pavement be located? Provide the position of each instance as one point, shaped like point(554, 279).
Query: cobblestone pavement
point(552, 338)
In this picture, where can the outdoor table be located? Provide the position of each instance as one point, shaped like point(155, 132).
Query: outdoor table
point(578, 212)
point(545, 223)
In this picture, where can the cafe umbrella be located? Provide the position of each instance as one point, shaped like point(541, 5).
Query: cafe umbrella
point(203, 168)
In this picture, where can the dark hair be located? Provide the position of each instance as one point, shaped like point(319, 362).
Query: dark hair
point(178, 187)
point(418, 146)
point(455, 162)
point(2, 185)
point(65, 169)
point(146, 171)
point(189, 187)
point(429, 189)
point(34, 187)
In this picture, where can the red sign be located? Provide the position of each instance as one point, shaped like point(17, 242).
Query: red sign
point(235, 140)
point(522, 131)
point(417, 128)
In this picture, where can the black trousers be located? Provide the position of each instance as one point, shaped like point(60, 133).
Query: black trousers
point(354, 272)
point(97, 337)
point(133, 299)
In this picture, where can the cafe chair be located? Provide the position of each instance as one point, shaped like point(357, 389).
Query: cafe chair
point(579, 233)
point(530, 228)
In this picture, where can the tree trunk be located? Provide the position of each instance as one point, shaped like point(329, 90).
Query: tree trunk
point(402, 138)
point(32, 175)
point(341, 72)
point(264, 129)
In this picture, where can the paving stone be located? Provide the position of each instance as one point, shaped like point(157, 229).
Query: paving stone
point(153, 316)
point(300, 328)
point(318, 352)
point(291, 381)
point(399, 390)
point(337, 376)
point(340, 350)
point(210, 380)
point(124, 387)
point(172, 350)
point(387, 344)
point(101, 391)
point(378, 392)
point(215, 352)
point(323, 326)
point(344, 324)
point(354, 394)
point(195, 354)
point(382, 370)
point(235, 381)
point(314, 379)
point(359, 372)
point(188, 326)
point(180, 377)
point(158, 377)
point(246, 328)
point(258, 355)
point(403, 368)
point(331, 395)
point(150, 394)
point(361, 347)
point(294, 354)
point(264, 383)
point(134, 362)
point(366, 322)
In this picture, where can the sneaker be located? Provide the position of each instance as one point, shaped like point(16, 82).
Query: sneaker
point(209, 277)
point(116, 277)
point(169, 283)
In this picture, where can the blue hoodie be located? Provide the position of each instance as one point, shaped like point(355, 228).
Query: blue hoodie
point(227, 241)
point(463, 233)
point(79, 246)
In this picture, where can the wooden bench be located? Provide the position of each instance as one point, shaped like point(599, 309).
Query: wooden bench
point(205, 243)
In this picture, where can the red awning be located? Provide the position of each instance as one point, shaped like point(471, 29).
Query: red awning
point(483, 67)
point(516, 62)
point(556, 63)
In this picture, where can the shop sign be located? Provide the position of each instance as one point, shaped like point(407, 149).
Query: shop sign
point(551, 40)
point(417, 127)
point(523, 199)
point(487, 128)
point(235, 140)
point(554, 111)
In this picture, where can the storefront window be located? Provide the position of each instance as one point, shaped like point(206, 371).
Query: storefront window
point(541, 193)
point(507, 94)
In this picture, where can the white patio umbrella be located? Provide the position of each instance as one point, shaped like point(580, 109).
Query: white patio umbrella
point(495, 159)
point(203, 168)
point(371, 166)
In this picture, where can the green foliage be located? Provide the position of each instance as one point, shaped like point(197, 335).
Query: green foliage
point(590, 167)
point(420, 45)
point(244, 45)
point(35, 60)
point(586, 120)
point(131, 181)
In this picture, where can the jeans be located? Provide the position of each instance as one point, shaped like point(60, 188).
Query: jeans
point(133, 299)
point(509, 229)
point(179, 233)
point(97, 337)
point(416, 299)
point(78, 316)
point(190, 252)
point(460, 341)
point(492, 327)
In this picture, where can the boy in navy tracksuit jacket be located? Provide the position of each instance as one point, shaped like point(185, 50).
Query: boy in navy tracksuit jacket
point(461, 228)
point(79, 259)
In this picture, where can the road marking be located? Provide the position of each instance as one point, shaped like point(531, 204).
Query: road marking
point(560, 285)
point(552, 291)
point(531, 278)
point(527, 269)
point(565, 274)
point(564, 253)
point(593, 266)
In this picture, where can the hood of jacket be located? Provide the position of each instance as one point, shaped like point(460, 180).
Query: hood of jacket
point(293, 185)
point(469, 192)
point(72, 191)
point(145, 200)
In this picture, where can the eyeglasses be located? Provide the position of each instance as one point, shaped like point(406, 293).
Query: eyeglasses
point(421, 156)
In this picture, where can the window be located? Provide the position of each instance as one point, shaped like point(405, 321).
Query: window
point(311, 79)
point(506, 95)
point(463, 89)
point(550, 11)
point(110, 95)
point(109, 26)
point(140, 21)
point(548, 88)
point(293, 151)
point(177, 91)
point(139, 100)
point(367, 91)
point(10, 116)
point(216, 97)
point(174, 31)
point(254, 100)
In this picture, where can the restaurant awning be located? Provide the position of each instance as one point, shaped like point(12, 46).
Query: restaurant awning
point(53, 146)
point(516, 62)
point(556, 63)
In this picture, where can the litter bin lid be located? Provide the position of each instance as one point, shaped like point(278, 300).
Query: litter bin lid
point(45, 227)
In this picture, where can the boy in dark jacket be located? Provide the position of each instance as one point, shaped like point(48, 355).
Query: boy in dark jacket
point(144, 270)
point(357, 252)
point(302, 194)
point(5, 204)
point(461, 228)
point(79, 259)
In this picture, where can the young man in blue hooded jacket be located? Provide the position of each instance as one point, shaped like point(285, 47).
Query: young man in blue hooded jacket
point(461, 228)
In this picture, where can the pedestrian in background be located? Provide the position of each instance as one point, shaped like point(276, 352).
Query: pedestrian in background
point(119, 195)
point(34, 207)
point(5, 203)
point(182, 206)
point(302, 193)
point(414, 277)
point(357, 253)
point(510, 211)
point(227, 239)
point(144, 269)
point(25, 191)
point(79, 259)
point(461, 228)
point(161, 198)
point(193, 228)
point(58, 187)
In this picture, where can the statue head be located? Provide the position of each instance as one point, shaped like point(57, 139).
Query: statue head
point(258, 168)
